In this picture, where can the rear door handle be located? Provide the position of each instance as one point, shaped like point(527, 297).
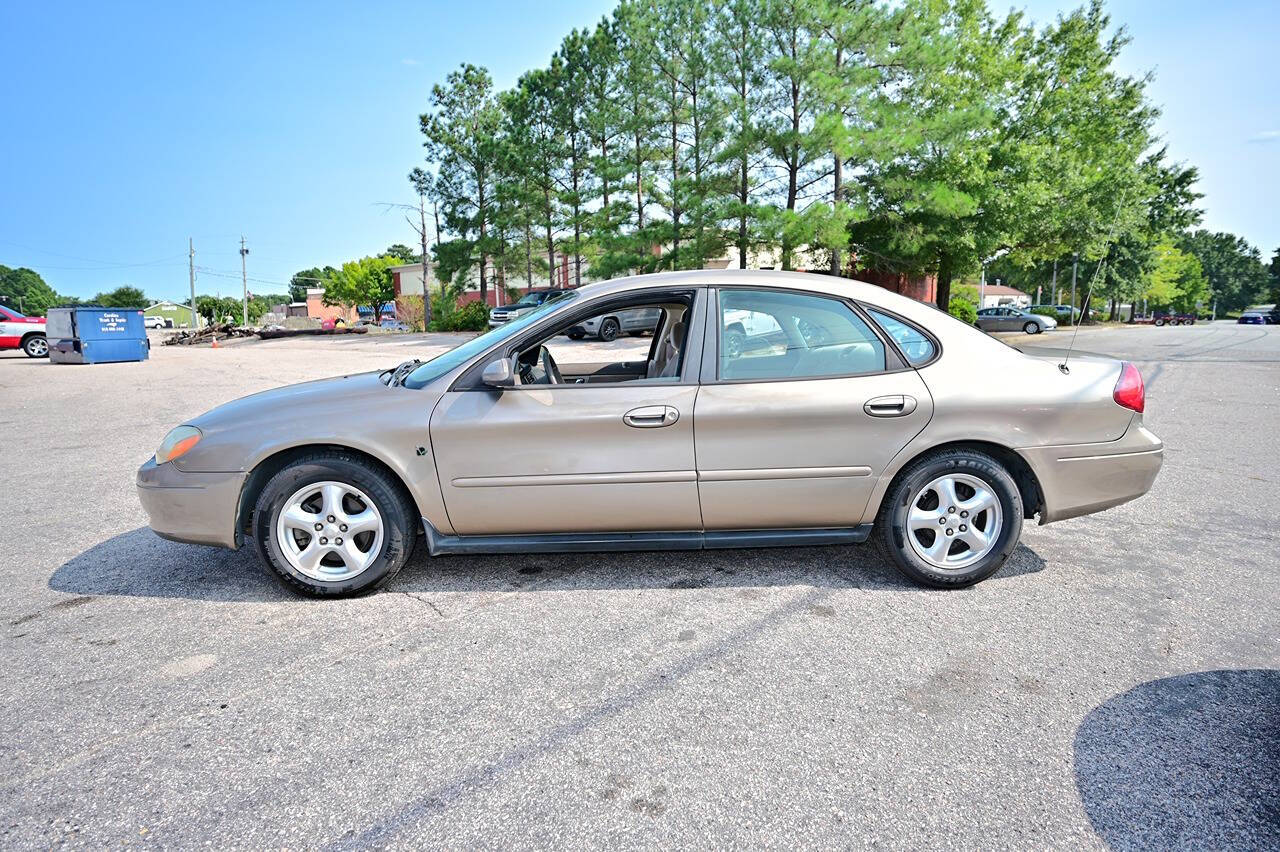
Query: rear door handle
point(651, 416)
point(890, 406)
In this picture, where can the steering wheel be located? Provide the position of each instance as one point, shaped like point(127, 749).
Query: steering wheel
point(550, 371)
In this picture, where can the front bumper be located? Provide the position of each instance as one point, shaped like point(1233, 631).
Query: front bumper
point(199, 508)
point(1079, 479)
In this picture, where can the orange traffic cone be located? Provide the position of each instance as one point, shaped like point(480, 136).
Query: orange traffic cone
point(215, 343)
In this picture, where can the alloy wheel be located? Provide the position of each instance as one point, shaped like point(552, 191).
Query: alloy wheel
point(330, 531)
point(37, 347)
point(955, 520)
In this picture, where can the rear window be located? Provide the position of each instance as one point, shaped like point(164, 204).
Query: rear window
point(916, 347)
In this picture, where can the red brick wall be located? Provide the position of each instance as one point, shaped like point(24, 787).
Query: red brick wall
point(922, 288)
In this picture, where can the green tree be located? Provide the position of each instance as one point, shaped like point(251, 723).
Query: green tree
point(301, 281)
point(1236, 273)
point(122, 297)
point(26, 291)
point(462, 138)
point(1176, 280)
point(363, 283)
point(402, 253)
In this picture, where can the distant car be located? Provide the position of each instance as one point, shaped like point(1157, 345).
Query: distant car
point(23, 332)
point(1252, 318)
point(154, 322)
point(528, 302)
point(394, 325)
point(607, 327)
point(1014, 319)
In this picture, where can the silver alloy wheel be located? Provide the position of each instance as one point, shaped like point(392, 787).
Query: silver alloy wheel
point(38, 347)
point(330, 531)
point(954, 521)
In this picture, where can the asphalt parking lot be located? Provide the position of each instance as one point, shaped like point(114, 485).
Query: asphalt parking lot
point(1116, 684)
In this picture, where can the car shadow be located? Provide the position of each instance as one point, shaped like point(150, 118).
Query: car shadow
point(140, 563)
point(1188, 762)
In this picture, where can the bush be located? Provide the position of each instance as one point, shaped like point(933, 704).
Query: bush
point(1044, 311)
point(473, 316)
point(963, 310)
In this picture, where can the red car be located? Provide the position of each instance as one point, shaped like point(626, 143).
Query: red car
point(21, 332)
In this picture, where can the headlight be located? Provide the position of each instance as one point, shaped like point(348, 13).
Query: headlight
point(177, 443)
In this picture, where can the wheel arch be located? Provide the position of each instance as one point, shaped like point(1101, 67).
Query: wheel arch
point(279, 460)
point(31, 334)
point(1025, 478)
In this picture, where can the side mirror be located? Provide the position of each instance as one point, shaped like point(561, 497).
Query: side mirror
point(498, 374)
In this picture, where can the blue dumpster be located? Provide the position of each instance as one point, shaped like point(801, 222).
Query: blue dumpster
point(96, 335)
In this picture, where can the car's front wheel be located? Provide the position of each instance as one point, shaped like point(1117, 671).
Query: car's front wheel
point(1032, 328)
point(951, 519)
point(609, 330)
point(36, 346)
point(329, 524)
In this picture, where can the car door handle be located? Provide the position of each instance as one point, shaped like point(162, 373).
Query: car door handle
point(890, 406)
point(651, 416)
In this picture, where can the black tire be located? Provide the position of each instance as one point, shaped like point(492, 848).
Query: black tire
point(891, 523)
point(400, 521)
point(635, 333)
point(609, 329)
point(1032, 328)
point(576, 335)
point(1158, 323)
point(36, 346)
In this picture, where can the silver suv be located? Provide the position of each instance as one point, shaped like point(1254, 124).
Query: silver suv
point(606, 327)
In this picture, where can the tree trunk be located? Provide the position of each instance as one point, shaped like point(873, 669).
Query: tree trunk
point(835, 199)
point(426, 283)
point(528, 257)
point(944, 282)
point(484, 280)
point(675, 178)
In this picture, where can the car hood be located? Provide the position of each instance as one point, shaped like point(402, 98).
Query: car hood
point(356, 411)
point(309, 399)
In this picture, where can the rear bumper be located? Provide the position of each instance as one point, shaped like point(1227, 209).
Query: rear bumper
point(199, 508)
point(1078, 479)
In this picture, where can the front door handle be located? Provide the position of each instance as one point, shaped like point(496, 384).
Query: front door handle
point(651, 416)
point(897, 405)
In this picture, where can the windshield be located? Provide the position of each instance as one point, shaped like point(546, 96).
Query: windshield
point(447, 361)
point(12, 313)
point(528, 301)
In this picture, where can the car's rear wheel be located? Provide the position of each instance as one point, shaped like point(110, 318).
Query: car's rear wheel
point(576, 335)
point(36, 346)
point(609, 330)
point(1032, 328)
point(331, 525)
point(951, 519)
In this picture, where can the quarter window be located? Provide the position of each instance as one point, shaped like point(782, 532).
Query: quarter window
point(768, 334)
point(916, 347)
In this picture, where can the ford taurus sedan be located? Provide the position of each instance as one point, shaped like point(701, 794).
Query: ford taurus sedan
point(769, 409)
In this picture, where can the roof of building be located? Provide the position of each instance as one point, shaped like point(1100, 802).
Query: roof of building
point(1001, 290)
point(165, 303)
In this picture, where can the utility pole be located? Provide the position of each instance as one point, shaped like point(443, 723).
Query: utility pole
point(191, 275)
point(1075, 261)
point(1053, 286)
point(244, 281)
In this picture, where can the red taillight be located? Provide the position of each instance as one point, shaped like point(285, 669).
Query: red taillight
point(1129, 391)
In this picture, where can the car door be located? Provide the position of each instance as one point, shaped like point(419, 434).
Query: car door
point(988, 319)
point(572, 458)
point(794, 431)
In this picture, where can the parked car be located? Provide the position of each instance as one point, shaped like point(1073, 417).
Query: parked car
point(867, 423)
point(1014, 319)
point(1166, 318)
point(395, 325)
point(606, 327)
point(154, 322)
point(528, 302)
point(1252, 318)
point(1062, 313)
point(18, 331)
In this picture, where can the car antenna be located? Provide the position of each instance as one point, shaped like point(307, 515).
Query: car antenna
point(1088, 293)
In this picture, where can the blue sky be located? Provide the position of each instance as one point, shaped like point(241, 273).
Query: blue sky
point(133, 126)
